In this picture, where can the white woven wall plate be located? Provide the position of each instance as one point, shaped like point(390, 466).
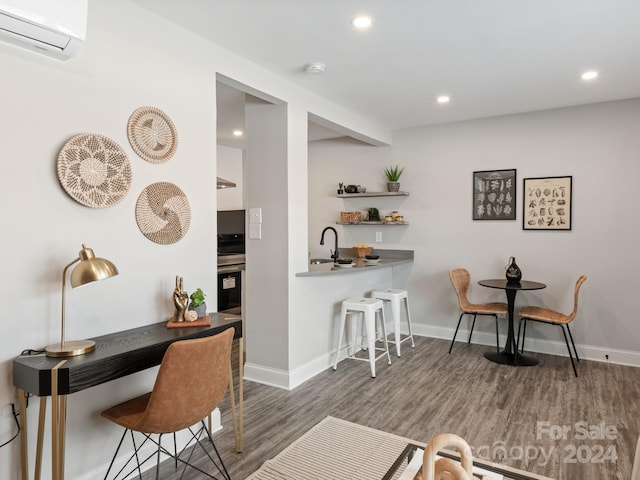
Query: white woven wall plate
point(94, 170)
point(152, 134)
point(163, 213)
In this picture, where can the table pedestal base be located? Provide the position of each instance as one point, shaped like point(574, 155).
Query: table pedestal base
point(505, 358)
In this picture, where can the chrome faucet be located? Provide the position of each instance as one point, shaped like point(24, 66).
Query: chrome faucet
point(334, 254)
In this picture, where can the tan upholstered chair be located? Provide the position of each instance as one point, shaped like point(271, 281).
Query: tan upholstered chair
point(460, 278)
point(545, 315)
point(191, 381)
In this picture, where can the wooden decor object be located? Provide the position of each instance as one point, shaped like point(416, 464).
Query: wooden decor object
point(152, 134)
point(163, 213)
point(94, 170)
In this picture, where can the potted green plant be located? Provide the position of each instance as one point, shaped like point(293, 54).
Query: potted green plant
point(197, 303)
point(393, 177)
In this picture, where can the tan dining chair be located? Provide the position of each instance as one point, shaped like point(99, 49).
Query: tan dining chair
point(552, 317)
point(190, 384)
point(460, 278)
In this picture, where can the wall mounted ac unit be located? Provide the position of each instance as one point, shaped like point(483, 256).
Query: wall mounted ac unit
point(53, 27)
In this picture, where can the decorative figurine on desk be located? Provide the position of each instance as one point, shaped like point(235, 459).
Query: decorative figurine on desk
point(513, 271)
point(180, 300)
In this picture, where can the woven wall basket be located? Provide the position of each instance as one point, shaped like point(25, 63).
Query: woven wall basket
point(94, 170)
point(163, 213)
point(152, 134)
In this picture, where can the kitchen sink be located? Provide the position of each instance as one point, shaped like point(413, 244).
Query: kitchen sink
point(318, 261)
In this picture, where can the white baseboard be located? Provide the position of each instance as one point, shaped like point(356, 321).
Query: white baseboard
point(266, 376)
point(290, 380)
point(550, 347)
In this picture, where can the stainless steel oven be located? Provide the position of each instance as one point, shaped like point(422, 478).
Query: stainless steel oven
point(230, 268)
point(231, 260)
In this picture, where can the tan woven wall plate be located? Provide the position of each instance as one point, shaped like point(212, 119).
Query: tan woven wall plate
point(94, 170)
point(163, 213)
point(152, 134)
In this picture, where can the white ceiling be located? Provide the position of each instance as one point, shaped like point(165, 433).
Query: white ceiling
point(493, 57)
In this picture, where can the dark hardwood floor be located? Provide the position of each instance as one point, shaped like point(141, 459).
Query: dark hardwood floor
point(532, 418)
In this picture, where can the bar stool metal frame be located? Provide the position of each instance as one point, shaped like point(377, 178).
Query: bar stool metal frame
point(367, 310)
point(395, 297)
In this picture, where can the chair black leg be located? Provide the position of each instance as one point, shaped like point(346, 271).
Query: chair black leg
point(566, 341)
point(572, 343)
point(518, 336)
point(472, 325)
point(135, 448)
point(524, 333)
point(456, 332)
point(175, 450)
point(223, 471)
point(116, 454)
point(497, 336)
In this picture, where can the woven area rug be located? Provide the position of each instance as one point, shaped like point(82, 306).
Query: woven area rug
point(335, 449)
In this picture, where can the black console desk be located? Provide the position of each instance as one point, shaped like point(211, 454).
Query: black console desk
point(116, 355)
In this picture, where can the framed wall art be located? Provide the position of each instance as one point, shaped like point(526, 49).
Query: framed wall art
point(546, 203)
point(494, 195)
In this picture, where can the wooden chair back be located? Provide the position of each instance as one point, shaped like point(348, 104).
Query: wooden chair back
point(461, 278)
point(579, 283)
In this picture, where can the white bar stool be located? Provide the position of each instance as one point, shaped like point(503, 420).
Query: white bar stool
point(395, 296)
point(367, 309)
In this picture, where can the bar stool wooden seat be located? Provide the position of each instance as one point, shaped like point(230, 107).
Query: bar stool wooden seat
point(367, 310)
point(396, 297)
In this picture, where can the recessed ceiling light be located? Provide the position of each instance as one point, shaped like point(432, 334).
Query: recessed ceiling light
point(237, 133)
point(315, 67)
point(590, 75)
point(361, 21)
point(443, 99)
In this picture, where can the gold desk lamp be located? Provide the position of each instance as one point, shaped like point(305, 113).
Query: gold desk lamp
point(90, 269)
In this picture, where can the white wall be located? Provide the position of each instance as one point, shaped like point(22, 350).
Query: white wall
point(598, 145)
point(46, 103)
point(148, 61)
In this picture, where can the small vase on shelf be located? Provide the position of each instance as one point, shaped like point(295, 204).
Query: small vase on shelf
point(514, 274)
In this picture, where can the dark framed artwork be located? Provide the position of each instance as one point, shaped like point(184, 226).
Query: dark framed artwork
point(494, 195)
point(546, 203)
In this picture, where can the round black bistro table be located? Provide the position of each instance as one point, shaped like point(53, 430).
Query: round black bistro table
point(510, 355)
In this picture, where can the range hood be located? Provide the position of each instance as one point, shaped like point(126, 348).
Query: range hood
point(222, 183)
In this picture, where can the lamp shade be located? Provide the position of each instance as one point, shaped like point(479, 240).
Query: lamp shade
point(91, 269)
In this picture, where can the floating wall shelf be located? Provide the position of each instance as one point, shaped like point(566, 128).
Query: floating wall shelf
point(373, 194)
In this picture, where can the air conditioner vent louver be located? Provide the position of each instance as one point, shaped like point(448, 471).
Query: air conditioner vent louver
point(57, 28)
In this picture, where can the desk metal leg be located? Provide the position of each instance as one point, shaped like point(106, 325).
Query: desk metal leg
point(232, 400)
point(24, 457)
point(24, 448)
point(241, 389)
point(58, 421)
point(41, 421)
point(238, 420)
